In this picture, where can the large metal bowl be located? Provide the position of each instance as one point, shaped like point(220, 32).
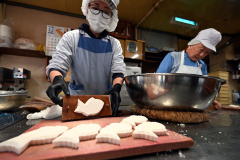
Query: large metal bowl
point(11, 100)
point(182, 92)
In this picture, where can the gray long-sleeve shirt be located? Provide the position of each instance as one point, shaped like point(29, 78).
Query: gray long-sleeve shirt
point(66, 48)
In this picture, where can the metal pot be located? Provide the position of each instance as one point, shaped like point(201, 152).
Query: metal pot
point(182, 92)
point(10, 100)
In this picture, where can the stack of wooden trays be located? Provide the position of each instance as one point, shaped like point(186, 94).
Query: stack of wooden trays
point(223, 96)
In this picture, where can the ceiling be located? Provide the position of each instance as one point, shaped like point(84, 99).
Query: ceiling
point(222, 15)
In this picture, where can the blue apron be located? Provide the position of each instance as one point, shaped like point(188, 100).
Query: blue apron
point(91, 67)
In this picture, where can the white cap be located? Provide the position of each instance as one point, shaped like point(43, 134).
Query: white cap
point(208, 37)
point(112, 5)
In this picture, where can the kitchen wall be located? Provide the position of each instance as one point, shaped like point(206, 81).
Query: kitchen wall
point(158, 40)
point(182, 44)
point(36, 85)
point(2, 11)
point(32, 24)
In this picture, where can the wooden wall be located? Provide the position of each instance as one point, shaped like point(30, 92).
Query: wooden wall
point(32, 24)
point(182, 44)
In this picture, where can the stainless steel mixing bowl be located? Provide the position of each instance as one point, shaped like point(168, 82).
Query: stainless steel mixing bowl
point(181, 92)
point(10, 100)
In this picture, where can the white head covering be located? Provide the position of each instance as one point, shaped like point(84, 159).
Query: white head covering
point(208, 37)
point(112, 5)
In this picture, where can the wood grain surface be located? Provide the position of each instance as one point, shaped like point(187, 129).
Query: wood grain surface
point(93, 150)
point(70, 104)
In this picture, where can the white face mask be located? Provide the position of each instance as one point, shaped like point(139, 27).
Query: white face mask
point(97, 22)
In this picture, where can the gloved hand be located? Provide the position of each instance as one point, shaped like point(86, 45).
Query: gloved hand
point(57, 86)
point(115, 97)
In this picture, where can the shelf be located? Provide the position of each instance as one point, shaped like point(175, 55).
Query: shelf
point(22, 52)
point(139, 60)
point(150, 52)
point(157, 54)
point(153, 56)
point(234, 60)
point(152, 61)
point(160, 52)
point(133, 60)
point(120, 36)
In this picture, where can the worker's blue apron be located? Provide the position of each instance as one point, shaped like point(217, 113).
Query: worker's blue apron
point(91, 67)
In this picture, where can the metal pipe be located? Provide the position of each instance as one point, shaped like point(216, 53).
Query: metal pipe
point(148, 13)
point(229, 42)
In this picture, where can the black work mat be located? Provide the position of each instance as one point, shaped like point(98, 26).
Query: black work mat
point(8, 119)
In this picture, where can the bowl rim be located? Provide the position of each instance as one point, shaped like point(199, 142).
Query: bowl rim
point(223, 81)
point(13, 93)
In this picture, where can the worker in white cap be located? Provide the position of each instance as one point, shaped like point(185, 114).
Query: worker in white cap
point(189, 60)
point(95, 58)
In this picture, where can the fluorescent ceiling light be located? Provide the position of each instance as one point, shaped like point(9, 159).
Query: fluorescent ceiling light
point(185, 21)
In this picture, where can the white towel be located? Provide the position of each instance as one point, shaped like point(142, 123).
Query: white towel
point(48, 113)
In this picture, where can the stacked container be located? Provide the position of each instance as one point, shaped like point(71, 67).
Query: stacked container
point(6, 33)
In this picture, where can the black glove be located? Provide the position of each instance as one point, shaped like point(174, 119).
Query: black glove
point(115, 97)
point(57, 86)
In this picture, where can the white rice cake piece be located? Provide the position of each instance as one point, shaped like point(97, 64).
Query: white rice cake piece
point(72, 137)
point(20, 143)
point(87, 135)
point(90, 99)
point(89, 131)
point(125, 120)
point(94, 106)
point(80, 127)
point(69, 138)
point(154, 86)
point(142, 133)
point(161, 89)
point(235, 106)
point(137, 119)
point(155, 92)
point(80, 106)
point(158, 128)
point(94, 126)
point(90, 108)
point(16, 145)
point(108, 137)
point(122, 129)
point(49, 135)
point(145, 86)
